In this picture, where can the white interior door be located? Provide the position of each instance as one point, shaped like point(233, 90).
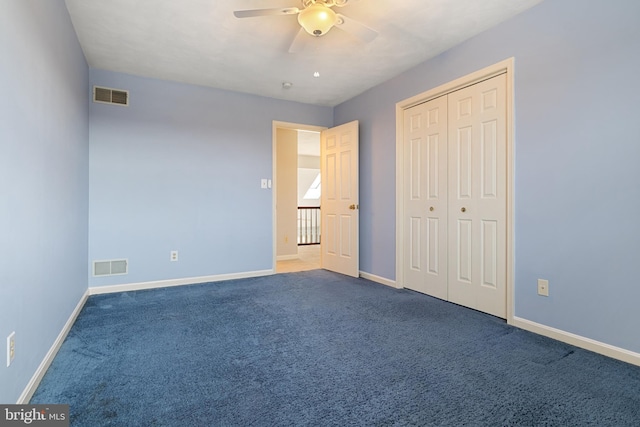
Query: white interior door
point(340, 199)
point(477, 196)
point(425, 197)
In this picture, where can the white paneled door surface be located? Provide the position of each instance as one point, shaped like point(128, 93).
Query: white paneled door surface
point(455, 200)
point(340, 199)
point(425, 197)
point(477, 196)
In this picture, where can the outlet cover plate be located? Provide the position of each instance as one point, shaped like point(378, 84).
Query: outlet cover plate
point(543, 287)
point(11, 348)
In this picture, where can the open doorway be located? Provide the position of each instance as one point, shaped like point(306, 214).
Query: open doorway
point(296, 194)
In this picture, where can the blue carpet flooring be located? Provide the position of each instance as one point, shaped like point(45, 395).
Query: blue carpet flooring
point(320, 349)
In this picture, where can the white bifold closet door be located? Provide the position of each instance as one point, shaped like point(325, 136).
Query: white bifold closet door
point(455, 197)
point(425, 198)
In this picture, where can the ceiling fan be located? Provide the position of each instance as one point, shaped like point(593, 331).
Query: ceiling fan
point(316, 18)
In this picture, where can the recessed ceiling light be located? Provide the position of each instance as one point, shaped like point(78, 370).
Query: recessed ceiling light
point(286, 85)
point(316, 74)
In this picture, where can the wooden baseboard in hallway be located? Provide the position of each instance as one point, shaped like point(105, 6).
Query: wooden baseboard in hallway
point(308, 259)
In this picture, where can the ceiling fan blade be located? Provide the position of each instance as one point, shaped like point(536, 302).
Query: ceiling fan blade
point(266, 12)
point(356, 28)
point(299, 42)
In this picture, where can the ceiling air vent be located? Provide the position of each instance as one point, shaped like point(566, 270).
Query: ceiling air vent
point(110, 267)
point(105, 95)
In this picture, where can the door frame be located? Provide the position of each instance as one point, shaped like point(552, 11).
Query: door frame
point(506, 66)
point(274, 138)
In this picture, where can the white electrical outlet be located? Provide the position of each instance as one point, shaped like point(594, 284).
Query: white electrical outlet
point(11, 348)
point(543, 287)
point(174, 255)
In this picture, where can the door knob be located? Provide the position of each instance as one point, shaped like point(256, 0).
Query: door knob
point(352, 207)
point(463, 210)
point(431, 208)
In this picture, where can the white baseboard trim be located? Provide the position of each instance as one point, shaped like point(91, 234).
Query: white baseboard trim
point(378, 279)
point(579, 341)
point(97, 290)
point(51, 354)
point(287, 257)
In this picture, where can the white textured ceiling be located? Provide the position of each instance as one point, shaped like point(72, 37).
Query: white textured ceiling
point(203, 43)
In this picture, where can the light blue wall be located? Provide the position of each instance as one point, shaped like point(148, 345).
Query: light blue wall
point(576, 170)
point(180, 169)
point(44, 133)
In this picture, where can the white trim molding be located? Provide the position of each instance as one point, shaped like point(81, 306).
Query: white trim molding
point(378, 279)
point(97, 290)
point(578, 341)
point(287, 257)
point(506, 66)
point(51, 354)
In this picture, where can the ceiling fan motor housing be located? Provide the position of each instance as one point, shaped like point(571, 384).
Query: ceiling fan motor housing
point(317, 19)
point(329, 3)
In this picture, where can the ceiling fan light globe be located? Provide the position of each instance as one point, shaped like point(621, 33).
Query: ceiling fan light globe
point(317, 19)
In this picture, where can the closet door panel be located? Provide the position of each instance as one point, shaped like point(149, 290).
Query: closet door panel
point(477, 196)
point(425, 198)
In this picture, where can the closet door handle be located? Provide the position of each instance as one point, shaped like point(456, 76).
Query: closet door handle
point(463, 209)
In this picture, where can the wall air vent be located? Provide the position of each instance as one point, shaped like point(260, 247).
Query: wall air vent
point(105, 95)
point(112, 267)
